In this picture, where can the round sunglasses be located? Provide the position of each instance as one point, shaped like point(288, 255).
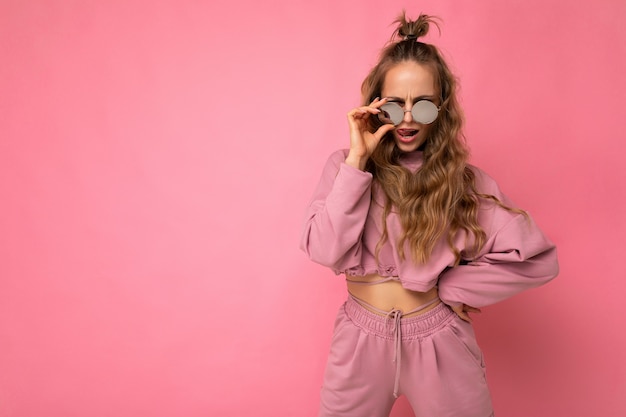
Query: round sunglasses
point(423, 111)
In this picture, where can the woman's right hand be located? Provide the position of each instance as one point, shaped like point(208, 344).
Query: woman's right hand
point(362, 141)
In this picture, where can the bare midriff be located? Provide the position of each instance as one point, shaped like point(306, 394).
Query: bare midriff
point(389, 295)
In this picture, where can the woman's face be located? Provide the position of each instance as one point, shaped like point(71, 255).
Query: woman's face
point(405, 84)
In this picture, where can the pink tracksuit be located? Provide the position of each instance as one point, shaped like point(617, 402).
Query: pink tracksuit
point(432, 358)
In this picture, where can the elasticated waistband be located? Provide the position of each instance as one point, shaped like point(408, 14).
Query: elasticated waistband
point(414, 327)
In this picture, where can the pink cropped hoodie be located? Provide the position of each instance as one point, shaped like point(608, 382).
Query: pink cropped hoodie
point(343, 225)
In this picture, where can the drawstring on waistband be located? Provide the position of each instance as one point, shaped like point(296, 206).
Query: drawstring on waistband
point(395, 315)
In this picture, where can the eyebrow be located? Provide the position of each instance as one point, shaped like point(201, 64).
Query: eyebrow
point(416, 99)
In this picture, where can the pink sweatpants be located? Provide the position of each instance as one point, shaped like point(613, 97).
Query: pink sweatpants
point(435, 362)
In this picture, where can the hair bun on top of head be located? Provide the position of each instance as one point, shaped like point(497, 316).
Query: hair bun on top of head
point(411, 30)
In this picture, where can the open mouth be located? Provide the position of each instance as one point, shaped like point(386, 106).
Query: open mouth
point(407, 135)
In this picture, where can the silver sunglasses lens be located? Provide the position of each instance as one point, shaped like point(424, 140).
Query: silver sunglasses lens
point(391, 113)
point(424, 112)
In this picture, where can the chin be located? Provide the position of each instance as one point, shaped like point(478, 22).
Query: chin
point(408, 147)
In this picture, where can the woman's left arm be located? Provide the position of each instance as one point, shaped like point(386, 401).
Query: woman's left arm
point(517, 257)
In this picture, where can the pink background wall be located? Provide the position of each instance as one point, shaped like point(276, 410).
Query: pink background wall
point(156, 158)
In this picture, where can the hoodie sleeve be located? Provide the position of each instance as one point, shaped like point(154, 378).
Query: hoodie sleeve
point(516, 257)
point(336, 215)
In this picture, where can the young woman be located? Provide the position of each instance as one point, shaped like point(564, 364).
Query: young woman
point(423, 239)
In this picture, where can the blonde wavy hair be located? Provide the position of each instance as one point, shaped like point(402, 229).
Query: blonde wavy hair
point(441, 196)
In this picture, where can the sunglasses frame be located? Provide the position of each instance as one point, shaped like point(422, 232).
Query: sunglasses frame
point(396, 108)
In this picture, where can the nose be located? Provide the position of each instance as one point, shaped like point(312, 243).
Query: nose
point(408, 118)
